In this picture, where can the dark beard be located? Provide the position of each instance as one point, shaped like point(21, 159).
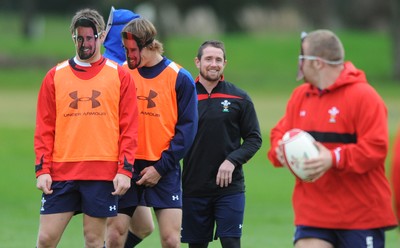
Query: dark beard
point(132, 67)
point(83, 56)
point(208, 78)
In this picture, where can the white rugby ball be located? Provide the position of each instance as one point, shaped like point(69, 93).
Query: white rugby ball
point(297, 146)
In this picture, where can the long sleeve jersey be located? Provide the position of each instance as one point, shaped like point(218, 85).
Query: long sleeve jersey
point(168, 116)
point(228, 129)
point(350, 119)
point(86, 122)
point(395, 174)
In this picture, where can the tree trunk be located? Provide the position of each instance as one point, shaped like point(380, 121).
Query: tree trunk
point(395, 35)
point(319, 14)
point(28, 18)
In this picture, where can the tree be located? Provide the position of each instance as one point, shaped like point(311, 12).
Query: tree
point(28, 12)
point(395, 36)
point(319, 14)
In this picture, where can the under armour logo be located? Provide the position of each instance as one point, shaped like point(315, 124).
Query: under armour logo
point(370, 241)
point(113, 208)
point(43, 202)
point(175, 197)
point(150, 102)
point(76, 99)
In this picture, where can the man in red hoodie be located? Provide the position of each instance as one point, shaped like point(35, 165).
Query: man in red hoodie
point(346, 201)
point(396, 174)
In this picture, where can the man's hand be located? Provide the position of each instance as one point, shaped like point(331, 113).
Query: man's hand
point(43, 183)
point(121, 184)
point(224, 175)
point(149, 177)
point(317, 167)
point(279, 153)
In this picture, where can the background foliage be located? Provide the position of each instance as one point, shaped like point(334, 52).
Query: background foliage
point(263, 64)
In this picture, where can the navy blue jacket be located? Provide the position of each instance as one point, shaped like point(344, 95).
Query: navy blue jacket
point(228, 129)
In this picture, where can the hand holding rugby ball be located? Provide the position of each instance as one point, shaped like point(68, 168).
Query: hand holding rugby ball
point(297, 146)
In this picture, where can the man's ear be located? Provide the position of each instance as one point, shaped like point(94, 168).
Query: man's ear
point(318, 63)
point(102, 36)
point(197, 62)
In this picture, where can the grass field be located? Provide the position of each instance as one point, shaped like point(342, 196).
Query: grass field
point(264, 65)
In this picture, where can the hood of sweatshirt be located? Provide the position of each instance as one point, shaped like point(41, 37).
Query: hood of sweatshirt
point(349, 75)
point(117, 19)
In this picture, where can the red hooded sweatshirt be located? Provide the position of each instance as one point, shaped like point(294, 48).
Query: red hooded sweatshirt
point(350, 119)
point(396, 174)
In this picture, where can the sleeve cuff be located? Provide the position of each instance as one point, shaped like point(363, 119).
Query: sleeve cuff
point(336, 156)
point(126, 168)
point(158, 168)
point(41, 172)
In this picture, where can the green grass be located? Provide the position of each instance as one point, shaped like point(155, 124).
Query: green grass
point(264, 65)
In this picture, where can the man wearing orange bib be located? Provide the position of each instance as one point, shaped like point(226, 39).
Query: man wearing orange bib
point(141, 223)
point(85, 137)
point(167, 104)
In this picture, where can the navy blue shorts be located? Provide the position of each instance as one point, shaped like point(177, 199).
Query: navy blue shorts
point(200, 214)
point(340, 238)
point(167, 193)
point(93, 198)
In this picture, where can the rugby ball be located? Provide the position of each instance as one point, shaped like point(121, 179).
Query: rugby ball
point(297, 146)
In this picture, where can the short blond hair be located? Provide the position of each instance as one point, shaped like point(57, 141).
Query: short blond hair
point(325, 44)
